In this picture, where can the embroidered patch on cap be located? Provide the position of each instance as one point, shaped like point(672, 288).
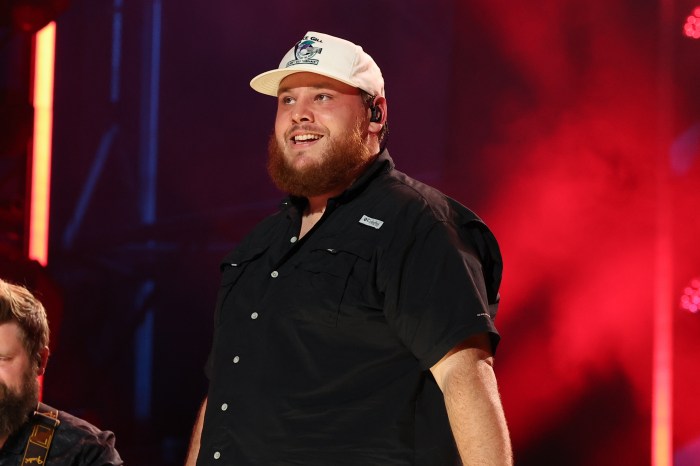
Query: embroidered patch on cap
point(304, 52)
point(371, 222)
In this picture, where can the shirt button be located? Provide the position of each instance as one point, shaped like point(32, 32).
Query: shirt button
point(254, 315)
point(217, 455)
point(224, 407)
point(236, 359)
point(293, 239)
point(275, 274)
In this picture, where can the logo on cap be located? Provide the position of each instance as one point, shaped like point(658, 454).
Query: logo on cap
point(304, 52)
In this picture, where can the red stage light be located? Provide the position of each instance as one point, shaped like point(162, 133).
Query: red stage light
point(690, 301)
point(692, 25)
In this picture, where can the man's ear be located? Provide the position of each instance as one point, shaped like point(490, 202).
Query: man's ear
point(43, 360)
point(379, 103)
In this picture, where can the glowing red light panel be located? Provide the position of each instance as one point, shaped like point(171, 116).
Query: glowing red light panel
point(692, 25)
point(690, 301)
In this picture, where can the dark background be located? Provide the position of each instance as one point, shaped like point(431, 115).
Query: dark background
point(560, 123)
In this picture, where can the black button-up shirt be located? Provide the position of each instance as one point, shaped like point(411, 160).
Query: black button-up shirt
point(75, 443)
point(323, 345)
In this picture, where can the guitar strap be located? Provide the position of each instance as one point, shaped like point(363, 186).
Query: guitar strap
point(45, 421)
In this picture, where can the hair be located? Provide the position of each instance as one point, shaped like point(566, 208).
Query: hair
point(17, 304)
point(368, 100)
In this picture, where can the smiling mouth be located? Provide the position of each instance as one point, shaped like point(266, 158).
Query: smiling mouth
point(305, 138)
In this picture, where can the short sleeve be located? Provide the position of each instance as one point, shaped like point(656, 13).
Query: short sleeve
point(441, 290)
point(100, 451)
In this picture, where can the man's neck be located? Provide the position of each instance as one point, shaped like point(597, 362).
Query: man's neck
point(316, 204)
point(3, 439)
point(314, 211)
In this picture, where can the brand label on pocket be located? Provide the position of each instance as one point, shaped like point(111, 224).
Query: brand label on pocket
point(371, 222)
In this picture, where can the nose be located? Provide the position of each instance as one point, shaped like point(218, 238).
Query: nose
point(302, 112)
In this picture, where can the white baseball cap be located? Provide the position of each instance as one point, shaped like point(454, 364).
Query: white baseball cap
point(328, 56)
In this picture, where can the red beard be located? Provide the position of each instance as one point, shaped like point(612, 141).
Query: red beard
point(345, 158)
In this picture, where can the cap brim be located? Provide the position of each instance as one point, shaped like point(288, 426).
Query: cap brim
point(268, 83)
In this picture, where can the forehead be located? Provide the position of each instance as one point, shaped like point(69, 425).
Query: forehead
point(10, 337)
point(315, 81)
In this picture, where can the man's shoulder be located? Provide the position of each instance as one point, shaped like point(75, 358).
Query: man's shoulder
point(75, 437)
point(79, 426)
point(75, 441)
point(424, 199)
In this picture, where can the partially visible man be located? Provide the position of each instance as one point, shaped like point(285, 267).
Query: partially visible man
point(32, 432)
point(355, 326)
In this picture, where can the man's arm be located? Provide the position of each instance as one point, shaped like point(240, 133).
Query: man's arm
point(465, 376)
point(196, 436)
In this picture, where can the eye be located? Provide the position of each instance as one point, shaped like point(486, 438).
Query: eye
point(323, 97)
point(286, 100)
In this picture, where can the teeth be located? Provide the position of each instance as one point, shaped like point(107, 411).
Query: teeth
point(306, 137)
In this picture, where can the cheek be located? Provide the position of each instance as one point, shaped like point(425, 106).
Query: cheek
point(279, 130)
point(282, 118)
point(10, 378)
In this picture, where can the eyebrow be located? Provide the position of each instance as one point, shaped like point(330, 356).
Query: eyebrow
point(325, 85)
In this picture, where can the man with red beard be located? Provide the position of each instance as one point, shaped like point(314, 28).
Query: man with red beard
point(355, 326)
point(32, 432)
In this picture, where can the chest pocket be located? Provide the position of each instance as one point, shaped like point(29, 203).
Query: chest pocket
point(232, 268)
point(325, 273)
